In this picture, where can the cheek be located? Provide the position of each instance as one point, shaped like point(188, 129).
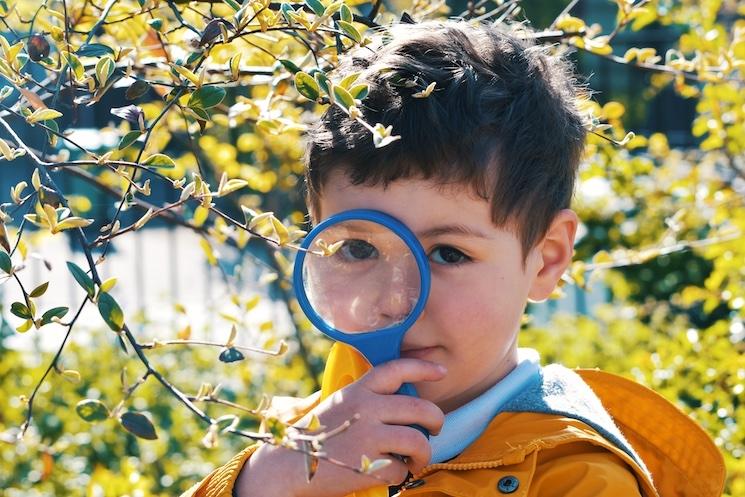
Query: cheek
point(475, 306)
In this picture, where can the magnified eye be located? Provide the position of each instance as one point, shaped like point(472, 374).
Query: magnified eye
point(448, 255)
point(358, 250)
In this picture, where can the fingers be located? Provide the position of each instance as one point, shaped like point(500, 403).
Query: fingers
point(388, 378)
point(408, 442)
point(405, 410)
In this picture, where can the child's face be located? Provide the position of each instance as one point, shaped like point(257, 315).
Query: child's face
point(479, 284)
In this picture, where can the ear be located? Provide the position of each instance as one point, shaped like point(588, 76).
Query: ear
point(553, 253)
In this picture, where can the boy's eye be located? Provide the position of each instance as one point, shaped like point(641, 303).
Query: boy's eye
point(358, 250)
point(448, 255)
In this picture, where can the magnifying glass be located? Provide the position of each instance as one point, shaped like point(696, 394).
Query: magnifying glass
point(363, 278)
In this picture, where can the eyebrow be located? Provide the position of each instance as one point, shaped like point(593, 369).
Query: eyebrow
point(452, 229)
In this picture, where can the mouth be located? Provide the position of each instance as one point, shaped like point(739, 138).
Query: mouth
point(418, 352)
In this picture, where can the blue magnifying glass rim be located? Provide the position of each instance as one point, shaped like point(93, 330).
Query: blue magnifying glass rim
point(381, 345)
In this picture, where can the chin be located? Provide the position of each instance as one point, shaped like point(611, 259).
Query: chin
point(434, 395)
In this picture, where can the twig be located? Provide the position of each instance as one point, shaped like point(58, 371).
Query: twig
point(156, 344)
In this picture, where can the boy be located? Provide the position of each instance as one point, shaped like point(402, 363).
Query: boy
point(483, 174)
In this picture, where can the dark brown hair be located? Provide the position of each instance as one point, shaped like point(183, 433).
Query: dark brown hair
point(502, 119)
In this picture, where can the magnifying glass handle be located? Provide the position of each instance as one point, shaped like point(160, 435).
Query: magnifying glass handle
point(408, 389)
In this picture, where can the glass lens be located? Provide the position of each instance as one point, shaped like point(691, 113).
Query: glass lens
point(360, 276)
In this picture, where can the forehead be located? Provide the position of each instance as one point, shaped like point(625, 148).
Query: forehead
point(421, 204)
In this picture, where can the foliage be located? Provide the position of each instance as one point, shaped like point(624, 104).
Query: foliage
point(216, 97)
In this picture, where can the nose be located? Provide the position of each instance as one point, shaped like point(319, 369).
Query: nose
point(399, 295)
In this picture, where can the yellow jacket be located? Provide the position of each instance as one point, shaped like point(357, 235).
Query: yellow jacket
point(535, 454)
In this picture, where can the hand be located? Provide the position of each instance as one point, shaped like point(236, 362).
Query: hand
point(381, 431)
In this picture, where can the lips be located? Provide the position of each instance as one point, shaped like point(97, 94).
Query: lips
point(418, 352)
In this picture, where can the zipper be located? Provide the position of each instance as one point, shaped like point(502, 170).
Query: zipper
point(410, 482)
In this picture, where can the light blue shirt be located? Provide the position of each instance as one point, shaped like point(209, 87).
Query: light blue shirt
point(464, 425)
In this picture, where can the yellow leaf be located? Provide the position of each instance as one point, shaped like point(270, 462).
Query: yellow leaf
point(23, 249)
point(16, 191)
point(602, 257)
point(208, 252)
point(108, 285)
point(231, 186)
point(25, 326)
point(252, 302)
point(200, 216)
point(231, 338)
point(283, 234)
point(570, 24)
point(43, 115)
point(144, 219)
point(35, 180)
point(426, 92)
point(51, 215)
point(71, 222)
point(187, 74)
point(613, 110)
point(71, 375)
point(314, 424)
point(259, 219)
point(6, 151)
point(630, 54)
point(14, 51)
point(184, 333)
point(235, 66)
point(626, 139)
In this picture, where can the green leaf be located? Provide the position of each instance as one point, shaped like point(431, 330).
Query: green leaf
point(77, 67)
point(231, 355)
point(5, 263)
point(345, 14)
point(82, 278)
point(138, 424)
point(322, 80)
point(316, 6)
point(332, 9)
point(349, 80)
point(55, 312)
point(286, 8)
point(92, 410)
point(307, 86)
point(359, 92)
point(343, 97)
point(290, 66)
point(104, 69)
point(206, 97)
point(52, 125)
point(94, 50)
point(156, 24)
point(19, 309)
point(129, 139)
point(138, 89)
point(200, 113)
point(160, 160)
point(110, 311)
point(350, 30)
point(5, 92)
point(39, 290)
